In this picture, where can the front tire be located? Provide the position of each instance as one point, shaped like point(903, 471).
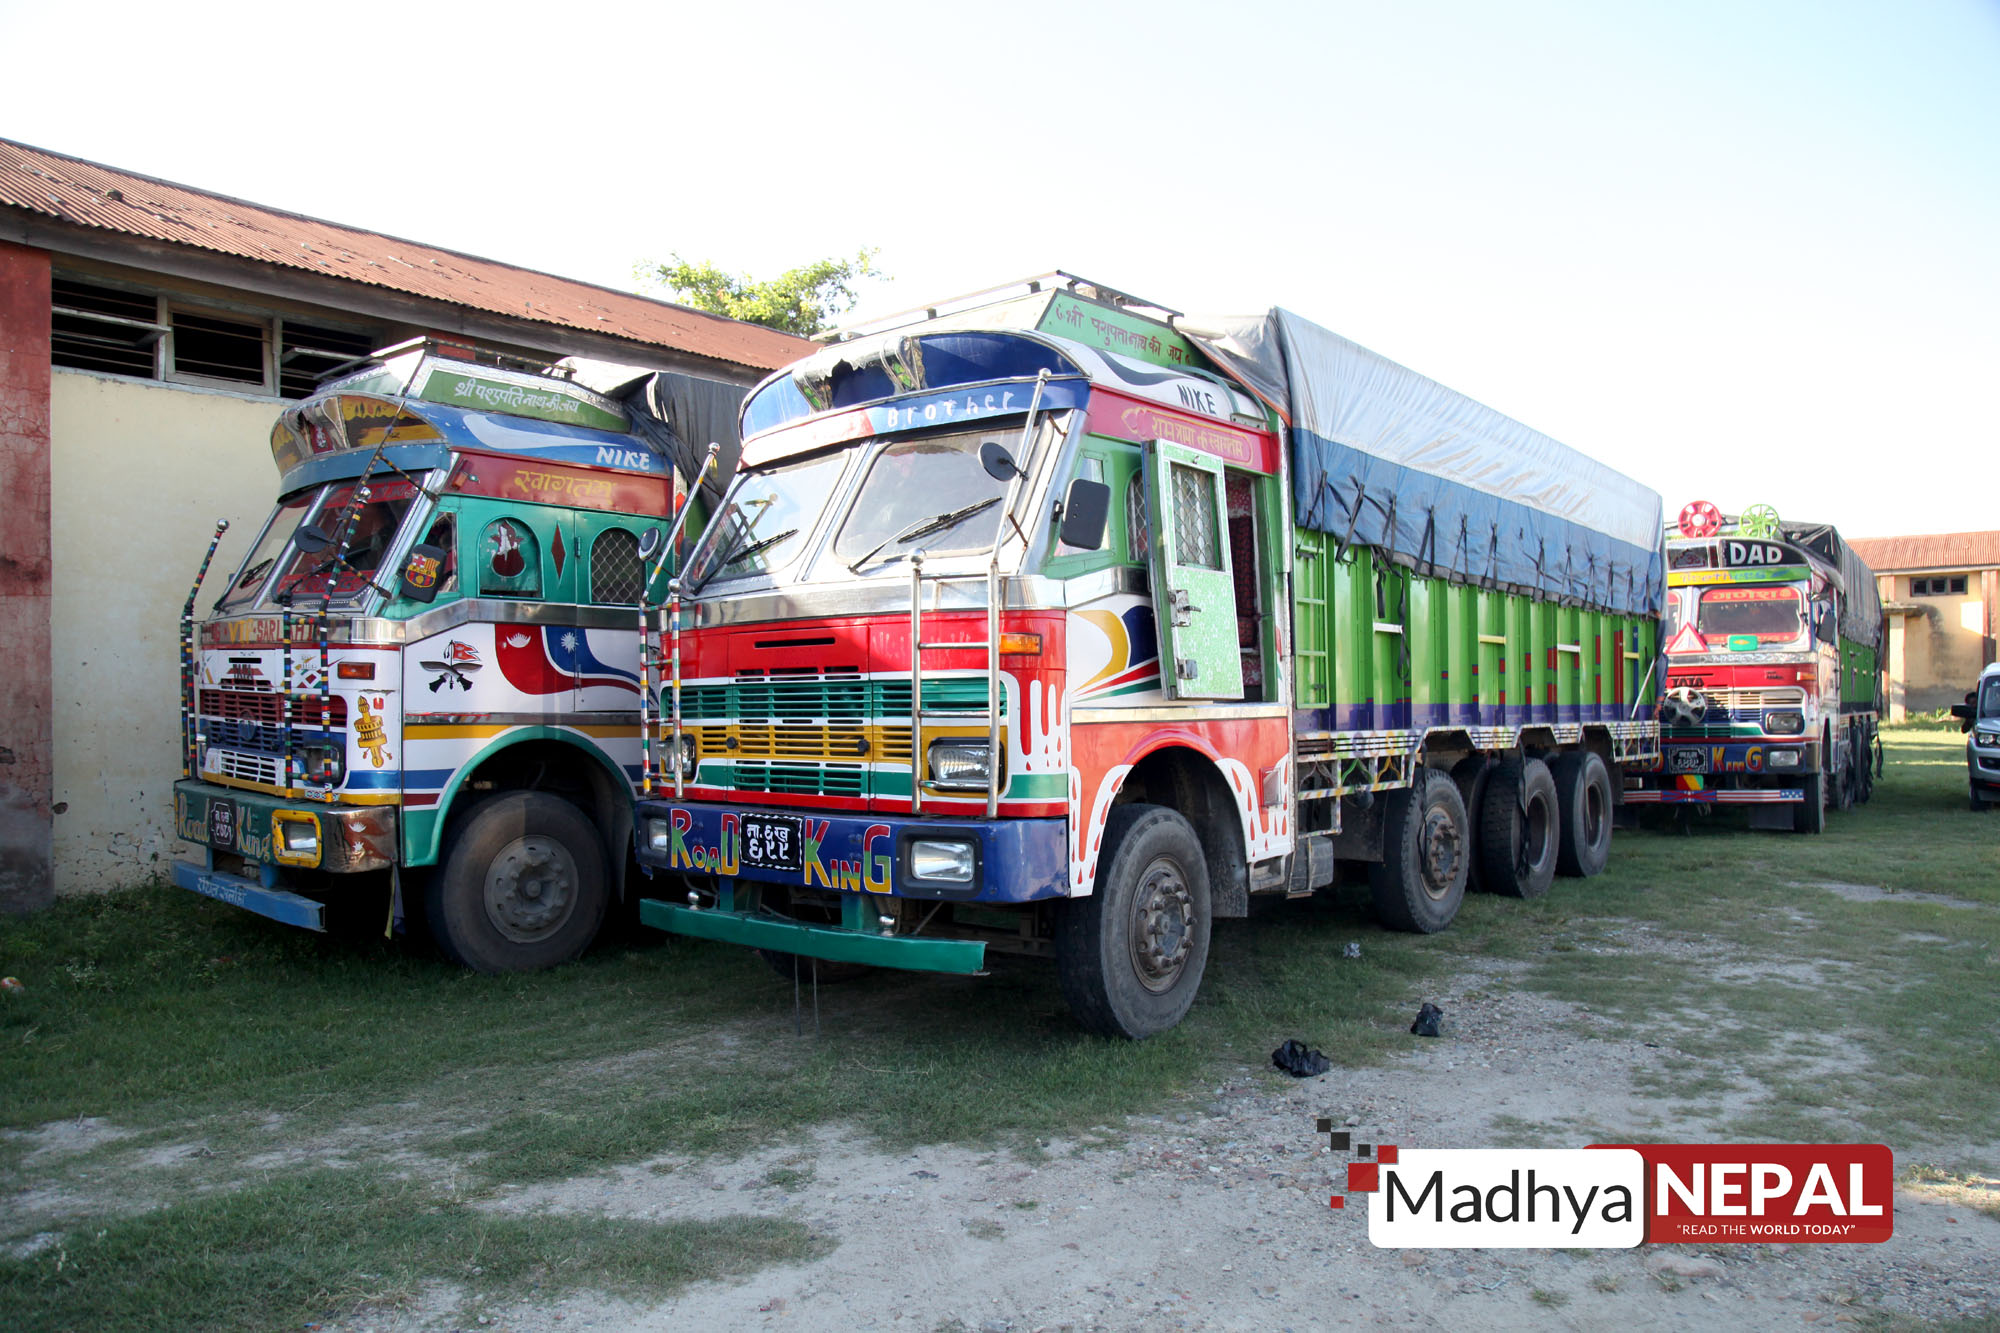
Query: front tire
point(1583, 793)
point(1809, 817)
point(1130, 956)
point(522, 887)
point(1519, 829)
point(1426, 853)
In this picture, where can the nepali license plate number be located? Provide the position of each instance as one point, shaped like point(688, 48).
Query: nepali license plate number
point(773, 842)
point(222, 824)
point(1687, 759)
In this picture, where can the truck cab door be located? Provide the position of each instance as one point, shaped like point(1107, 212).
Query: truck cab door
point(1194, 595)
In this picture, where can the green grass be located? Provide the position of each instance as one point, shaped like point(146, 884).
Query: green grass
point(195, 1029)
point(315, 1244)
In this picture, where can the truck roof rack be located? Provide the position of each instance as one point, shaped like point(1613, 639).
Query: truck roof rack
point(1055, 280)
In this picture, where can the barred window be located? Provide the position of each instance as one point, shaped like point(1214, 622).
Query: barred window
point(1194, 519)
point(1138, 539)
point(616, 572)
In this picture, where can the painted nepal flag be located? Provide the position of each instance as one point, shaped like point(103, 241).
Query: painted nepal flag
point(553, 659)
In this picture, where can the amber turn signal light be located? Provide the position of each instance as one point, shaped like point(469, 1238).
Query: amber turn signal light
point(1021, 645)
point(355, 671)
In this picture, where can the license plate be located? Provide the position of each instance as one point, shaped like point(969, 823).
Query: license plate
point(222, 824)
point(773, 842)
point(1687, 759)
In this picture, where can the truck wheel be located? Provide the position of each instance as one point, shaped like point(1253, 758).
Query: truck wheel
point(1130, 956)
point(522, 886)
point(1426, 851)
point(1471, 776)
point(1583, 794)
point(1519, 829)
point(1809, 816)
point(1847, 780)
point(1978, 802)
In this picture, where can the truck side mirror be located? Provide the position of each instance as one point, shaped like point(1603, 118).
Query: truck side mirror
point(1084, 509)
point(423, 571)
point(1963, 712)
point(1825, 625)
point(999, 464)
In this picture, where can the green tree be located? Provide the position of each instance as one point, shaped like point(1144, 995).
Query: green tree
point(804, 300)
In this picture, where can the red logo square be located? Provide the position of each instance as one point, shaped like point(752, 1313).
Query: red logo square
point(1386, 1154)
point(1361, 1177)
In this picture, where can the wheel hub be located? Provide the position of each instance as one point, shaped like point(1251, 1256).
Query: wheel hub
point(1162, 927)
point(531, 888)
point(1443, 849)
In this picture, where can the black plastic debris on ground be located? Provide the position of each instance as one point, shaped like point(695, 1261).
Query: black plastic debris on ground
point(1427, 1020)
point(1298, 1060)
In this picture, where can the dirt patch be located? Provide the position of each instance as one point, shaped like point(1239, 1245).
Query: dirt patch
point(1215, 1216)
point(1874, 893)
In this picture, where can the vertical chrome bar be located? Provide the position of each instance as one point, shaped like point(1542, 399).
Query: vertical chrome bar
point(993, 691)
point(645, 694)
point(189, 706)
point(674, 621)
point(916, 681)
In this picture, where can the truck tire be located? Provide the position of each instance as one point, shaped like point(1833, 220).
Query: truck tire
point(1471, 776)
point(1519, 829)
point(1130, 956)
point(1809, 815)
point(1583, 794)
point(1849, 779)
point(522, 886)
point(1426, 851)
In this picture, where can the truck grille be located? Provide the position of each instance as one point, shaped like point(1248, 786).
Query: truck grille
point(781, 727)
point(1732, 707)
point(254, 721)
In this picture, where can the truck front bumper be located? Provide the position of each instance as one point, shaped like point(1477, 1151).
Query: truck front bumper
point(1005, 860)
point(259, 838)
point(1715, 772)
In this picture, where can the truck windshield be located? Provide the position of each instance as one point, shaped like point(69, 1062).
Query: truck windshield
point(930, 493)
point(1770, 614)
point(764, 523)
point(277, 533)
point(1989, 697)
point(345, 576)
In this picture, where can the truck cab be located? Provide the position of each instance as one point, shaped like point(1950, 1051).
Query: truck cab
point(424, 676)
point(1772, 632)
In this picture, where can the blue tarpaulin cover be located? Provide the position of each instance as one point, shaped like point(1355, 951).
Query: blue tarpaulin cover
point(1386, 458)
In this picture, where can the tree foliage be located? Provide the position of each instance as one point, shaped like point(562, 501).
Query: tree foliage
point(803, 301)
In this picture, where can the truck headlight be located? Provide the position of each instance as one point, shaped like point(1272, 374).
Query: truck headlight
point(1782, 758)
point(325, 765)
point(1989, 739)
point(967, 764)
point(1788, 723)
point(659, 835)
point(295, 838)
point(950, 861)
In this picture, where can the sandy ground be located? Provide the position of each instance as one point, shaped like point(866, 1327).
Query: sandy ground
point(1216, 1217)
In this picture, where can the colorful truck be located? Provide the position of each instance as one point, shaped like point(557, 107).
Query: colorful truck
point(424, 678)
point(1054, 622)
point(1774, 684)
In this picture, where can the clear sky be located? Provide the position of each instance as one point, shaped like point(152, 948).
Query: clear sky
point(1744, 251)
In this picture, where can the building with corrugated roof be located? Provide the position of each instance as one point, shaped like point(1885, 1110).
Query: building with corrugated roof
point(1941, 594)
point(148, 335)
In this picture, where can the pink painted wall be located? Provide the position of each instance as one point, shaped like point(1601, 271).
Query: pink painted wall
point(26, 740)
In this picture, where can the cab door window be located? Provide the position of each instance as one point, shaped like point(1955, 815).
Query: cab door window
point(509, 560)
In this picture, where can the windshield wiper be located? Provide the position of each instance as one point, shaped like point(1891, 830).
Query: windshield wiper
point(757, 546)
point(924, 527)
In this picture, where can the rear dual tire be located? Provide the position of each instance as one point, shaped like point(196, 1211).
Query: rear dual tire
point(1520, 829)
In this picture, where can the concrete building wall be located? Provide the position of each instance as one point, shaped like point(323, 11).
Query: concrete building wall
point(1945, 643)
point(141, 472)
point(26, 745)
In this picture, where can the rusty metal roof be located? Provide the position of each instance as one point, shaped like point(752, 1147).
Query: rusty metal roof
point(86, 194)
point(1939, 550)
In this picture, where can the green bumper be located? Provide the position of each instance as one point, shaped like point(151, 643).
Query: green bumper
point(833, 944)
